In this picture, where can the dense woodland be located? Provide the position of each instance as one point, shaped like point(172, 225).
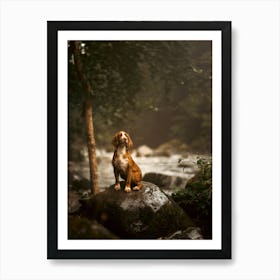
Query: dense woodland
point(155, 90)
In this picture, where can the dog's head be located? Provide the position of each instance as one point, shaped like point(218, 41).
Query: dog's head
point(122, 138)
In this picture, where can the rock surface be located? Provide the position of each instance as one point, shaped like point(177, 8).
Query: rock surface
point(167, 183)
point(144, 151)
point(171, 147)
point(193, 233)
point(73, 202)
point(82, 228)
point(148, 213)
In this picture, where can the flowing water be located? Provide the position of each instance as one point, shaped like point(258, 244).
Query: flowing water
point(174, 165)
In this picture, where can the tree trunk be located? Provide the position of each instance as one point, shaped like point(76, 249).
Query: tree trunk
point(88, 113)
point(91, 147)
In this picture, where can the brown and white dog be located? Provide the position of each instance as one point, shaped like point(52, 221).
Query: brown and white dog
point(124, 165)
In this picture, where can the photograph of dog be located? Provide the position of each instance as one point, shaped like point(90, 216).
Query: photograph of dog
point(140, 139)
point(123, 163)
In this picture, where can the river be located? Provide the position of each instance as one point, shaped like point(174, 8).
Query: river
point(174, 165)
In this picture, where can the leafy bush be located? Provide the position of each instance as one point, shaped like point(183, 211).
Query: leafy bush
point(196, 198)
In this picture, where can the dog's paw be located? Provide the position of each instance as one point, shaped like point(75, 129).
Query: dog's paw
point(127, 189)
point(117, 187)
point(136, 188)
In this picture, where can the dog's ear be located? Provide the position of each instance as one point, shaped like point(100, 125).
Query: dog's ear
point(115, 141)
point(129, 141)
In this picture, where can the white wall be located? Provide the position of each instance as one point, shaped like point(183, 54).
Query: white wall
point(255, 188)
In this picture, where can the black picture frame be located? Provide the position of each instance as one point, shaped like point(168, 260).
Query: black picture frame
point(52, 75)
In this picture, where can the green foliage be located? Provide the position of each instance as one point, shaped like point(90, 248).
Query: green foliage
point(196, 198)
point(114, 78)
point(136, 81)
point(193, 119)
point(203, 179)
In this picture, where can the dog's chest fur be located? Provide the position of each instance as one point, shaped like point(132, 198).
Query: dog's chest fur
point(120, 160)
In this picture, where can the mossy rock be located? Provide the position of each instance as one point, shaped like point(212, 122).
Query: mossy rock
point(145, 214)
point(169, 184)
point(83, 228)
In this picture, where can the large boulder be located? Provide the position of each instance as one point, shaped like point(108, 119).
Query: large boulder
point(148, 213)
point(171, 147)
point(83, 228)
point(144, 151)
point(169, 184)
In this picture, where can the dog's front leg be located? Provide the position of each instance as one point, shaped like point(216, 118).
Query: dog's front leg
point(128, 179)
point(117, 184)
